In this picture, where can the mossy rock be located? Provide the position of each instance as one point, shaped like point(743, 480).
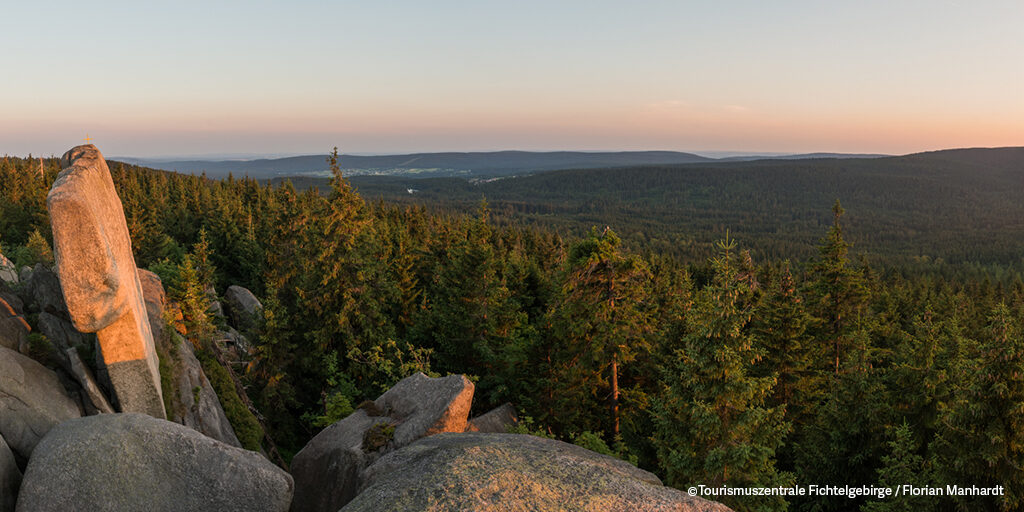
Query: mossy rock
point(378, 437)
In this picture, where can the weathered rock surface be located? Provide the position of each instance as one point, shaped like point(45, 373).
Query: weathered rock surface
point(10, 478)
point(495, 421)
point(198, 405)
point(62, 333)
point(90, 388)
point(42, 289)
point(98, 277)
point(13, 327)
point(12, 299)
point(244, 309)
point(8, 272)
point(505, 472)
point(195, 403)
point(32, 401)
point(425, 406)
point(155, 299)
point(116, 462)
point(328, 469)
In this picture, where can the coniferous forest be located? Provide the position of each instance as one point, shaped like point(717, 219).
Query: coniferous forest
point(727, 369)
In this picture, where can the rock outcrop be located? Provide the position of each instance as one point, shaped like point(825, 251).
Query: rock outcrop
point(328, 470)
point(13, 327)
point(198, 406)
point(10, 478)
point(492, 472)
point(98, 277)
point(32, 401)
point(495, 421)
point(90, 388)
point(244, 309)
point(116, 462)
point(8, 272)
point(194, 403)
point(42, 289)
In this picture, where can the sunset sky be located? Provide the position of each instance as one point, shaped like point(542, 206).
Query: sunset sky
point(260, 77)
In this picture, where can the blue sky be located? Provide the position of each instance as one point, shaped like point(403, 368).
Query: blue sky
point(186, 77)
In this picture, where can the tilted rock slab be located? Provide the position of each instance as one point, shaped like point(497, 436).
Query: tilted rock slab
point(13, 327)
point(495, 421)
point(98, 276)
point(8, 272)
point(201, 409)
point(243, 307)
point(32, 401)
point(507, 472)
point(328, 470)
point(10, 478)
point(119, 462)
point(195, 404)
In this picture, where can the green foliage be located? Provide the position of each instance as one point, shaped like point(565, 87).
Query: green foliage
point(41, 349)
point(711, 423)
point(38, 249)
point(168, 366)
point(904, 466)
point(378, 436)
point(247, 427)
point(594, 443)
point(981, 434)
point(529, 426)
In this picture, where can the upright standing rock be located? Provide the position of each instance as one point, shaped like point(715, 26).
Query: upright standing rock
point(98, 277)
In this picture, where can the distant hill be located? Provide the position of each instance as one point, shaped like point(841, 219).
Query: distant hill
point(803, 156)
point(962, 205)
point(496, 163)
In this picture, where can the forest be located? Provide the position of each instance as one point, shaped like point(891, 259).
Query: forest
point(745, 360)
point(962, 207)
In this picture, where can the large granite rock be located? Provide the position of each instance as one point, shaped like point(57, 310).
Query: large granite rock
point(10, 478)
point(42, 290)
point(13, 327)
point(155, 299)
point(328, 469)
point(8, 272)
point(492, 472)
point(198, 406)
point(62, 333)
point(495, 421)
point(99, 280)
point(116, 462)
point(244, 309)
point(32, 401)
point(194, 404)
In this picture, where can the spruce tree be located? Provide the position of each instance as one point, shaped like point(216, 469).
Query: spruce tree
point(712, 424)
point(597, 325)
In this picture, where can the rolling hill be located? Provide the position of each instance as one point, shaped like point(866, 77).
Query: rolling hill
point(959, 206)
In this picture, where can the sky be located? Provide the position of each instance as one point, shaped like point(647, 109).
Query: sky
point(299, 77)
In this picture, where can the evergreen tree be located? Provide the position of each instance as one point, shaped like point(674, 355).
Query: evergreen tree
point(600, 322)
point(981, 436)
point(712, 426)
point(839, 290)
